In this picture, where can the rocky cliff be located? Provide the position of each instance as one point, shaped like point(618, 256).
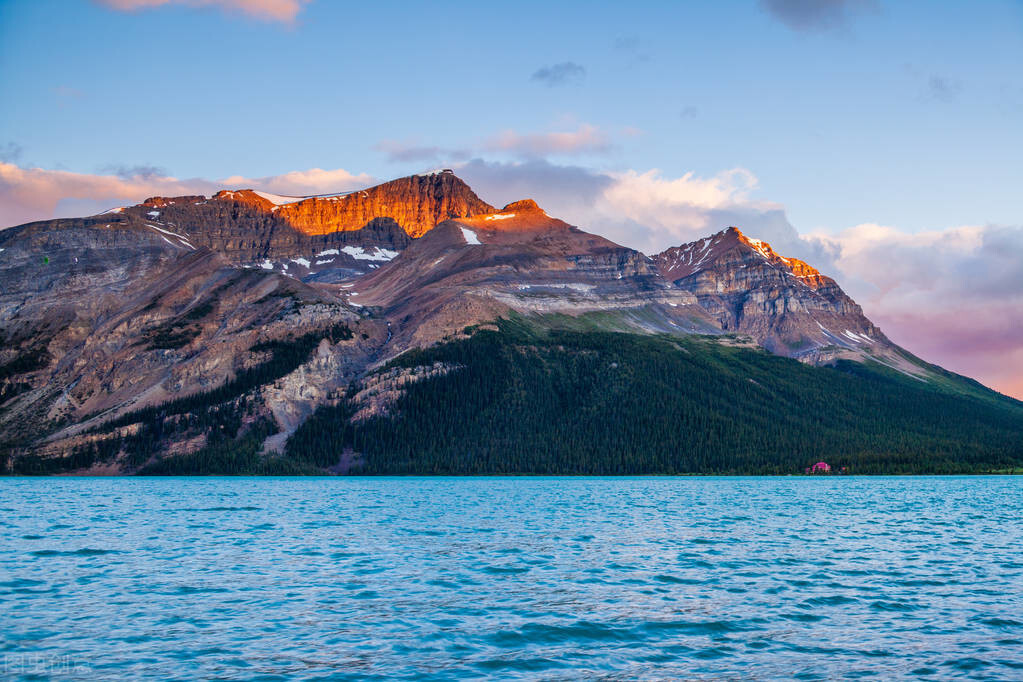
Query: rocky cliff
point(324, 239)
point(786, 305)
point(417, 203)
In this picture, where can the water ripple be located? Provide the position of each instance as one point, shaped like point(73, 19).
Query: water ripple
point(527, 578)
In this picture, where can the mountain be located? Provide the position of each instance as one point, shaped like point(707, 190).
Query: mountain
point(413, 328)
point(785, 304)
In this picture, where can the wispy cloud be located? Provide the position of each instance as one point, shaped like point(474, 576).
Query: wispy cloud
point(943, 88)
point(565, 73)
point(816, 15)
point(267, 10)
point(311, 181)
point(141, 172)
point(10, 152)
point(405, 152)
point(67, 92)
point(631, 46)
point(586, 139)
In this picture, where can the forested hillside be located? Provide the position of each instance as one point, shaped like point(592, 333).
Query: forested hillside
point(525, 400)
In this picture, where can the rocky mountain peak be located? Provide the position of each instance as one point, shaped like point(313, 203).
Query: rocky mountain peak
point(683, 261)
point(522, 206)
point(785, 304)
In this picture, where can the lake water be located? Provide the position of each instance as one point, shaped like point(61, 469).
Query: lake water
point(565, 578)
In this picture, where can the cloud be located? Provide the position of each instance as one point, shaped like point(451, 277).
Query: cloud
point(267, 10)
point(567, 192)
point(627, 43)
point(952, 296)
point(312, 181)
point(565, 73)
point(10, 152)
point(816, 15)
point(631, 46)
point(129, 172)
point(403, 152)
point(38, 194)
point(643, 210)
point(586, 139)
point(943, 89)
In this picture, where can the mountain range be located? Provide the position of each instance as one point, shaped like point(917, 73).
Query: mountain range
point(411, 327)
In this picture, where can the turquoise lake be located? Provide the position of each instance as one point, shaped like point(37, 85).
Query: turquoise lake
point(532, 578)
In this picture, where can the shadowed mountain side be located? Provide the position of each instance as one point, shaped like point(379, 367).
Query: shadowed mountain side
point(119, 318)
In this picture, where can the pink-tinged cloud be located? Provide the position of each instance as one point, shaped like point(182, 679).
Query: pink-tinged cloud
point(954, 297)
point(28, 194)
point(268, 10)
point(586, 139)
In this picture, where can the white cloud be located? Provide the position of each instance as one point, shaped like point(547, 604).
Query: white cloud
point(269, 10)
point(645, 210)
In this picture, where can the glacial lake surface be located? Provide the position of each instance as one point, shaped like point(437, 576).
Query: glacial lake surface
point(529, 578)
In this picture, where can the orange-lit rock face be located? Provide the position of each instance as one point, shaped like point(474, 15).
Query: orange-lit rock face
point(518, 216)
point(809, 275)
point(418, 203)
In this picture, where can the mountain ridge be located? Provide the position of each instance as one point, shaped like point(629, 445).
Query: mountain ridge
point(132, 336)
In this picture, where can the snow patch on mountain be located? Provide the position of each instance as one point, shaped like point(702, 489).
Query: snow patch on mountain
point(278, 199)
point(358, 253)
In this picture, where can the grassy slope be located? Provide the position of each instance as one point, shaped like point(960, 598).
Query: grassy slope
point(536, 400)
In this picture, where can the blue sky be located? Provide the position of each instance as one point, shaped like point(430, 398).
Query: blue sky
point(880, 140)
point(906, 113)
